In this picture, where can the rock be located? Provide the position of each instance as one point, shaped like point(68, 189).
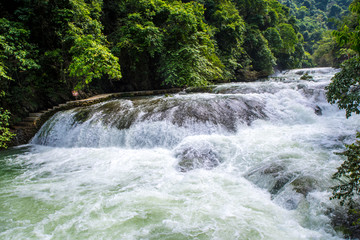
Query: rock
point(203, 89)
point(82, 115)
point(26, 129)
point(306, 76)
point(280, 182)
point(197, 156)
point(344, 220)
point(275, 177)
point(272, 177)
point(23, 135)
point(318, 111)
point(304, 185)
point(290, 204)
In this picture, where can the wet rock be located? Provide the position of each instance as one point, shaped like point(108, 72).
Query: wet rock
point(306, 76)
point(82, 115)
point(23, 136)
point(318, 111)
point(272, 177)
point(344, 221)
point(197, 156)
point(203, 89)
point(273, 169)
point(275, 176)
point(226, 112)
point(215, 111)
point(280, 182)
point(290, 204)
point(304, 185)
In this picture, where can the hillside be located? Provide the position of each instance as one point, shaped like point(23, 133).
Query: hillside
point(316, 18)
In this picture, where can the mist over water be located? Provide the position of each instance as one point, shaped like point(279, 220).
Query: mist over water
point(246, 161)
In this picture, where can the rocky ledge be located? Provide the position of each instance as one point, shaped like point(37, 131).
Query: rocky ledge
point(26, 129)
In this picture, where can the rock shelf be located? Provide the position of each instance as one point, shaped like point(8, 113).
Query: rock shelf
point(27, 128)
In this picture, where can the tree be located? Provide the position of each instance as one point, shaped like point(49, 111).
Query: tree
point(344, 91)
point(349, 34)
point(169, 39)
point(16, 53)
point(254, 12)
point(349, 170)
point(317, 17)
point(229, 33)
point(344, 88)
point(91, 57)
point(16, 61)
point(288, 37)
point(257, 47)
point(335, 10)
point(274, 38)
point(190, 58)
point(327, 52)
point(5, 134)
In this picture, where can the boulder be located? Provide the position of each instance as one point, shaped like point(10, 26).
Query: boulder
point(197, 156)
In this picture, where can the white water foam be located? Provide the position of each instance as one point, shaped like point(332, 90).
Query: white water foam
point(262, 176)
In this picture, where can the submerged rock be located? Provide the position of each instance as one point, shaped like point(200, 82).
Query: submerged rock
point(318, 111)
point(82, 115)
point(345, 221)
point(209, 110)
point(197, 156)
point(306, 76)
point(304, 185)
point(275, 176)
point(272, 177)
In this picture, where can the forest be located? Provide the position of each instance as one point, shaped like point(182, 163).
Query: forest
point(51, 47)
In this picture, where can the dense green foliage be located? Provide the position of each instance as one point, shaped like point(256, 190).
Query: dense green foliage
point(5, 134)
point(344, 91)
point(344, 88)
point(348, 189)
point(48, 48)
point(171, 41)
point(316, 18)
point(350, 171)
point(328, 52)
point(91, 58)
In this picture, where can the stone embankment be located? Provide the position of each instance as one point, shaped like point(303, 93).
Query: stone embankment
point(26, 129)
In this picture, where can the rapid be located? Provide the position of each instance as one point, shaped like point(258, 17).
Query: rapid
point(243, 161)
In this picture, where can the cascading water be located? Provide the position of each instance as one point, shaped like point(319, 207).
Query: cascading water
point(246, 161)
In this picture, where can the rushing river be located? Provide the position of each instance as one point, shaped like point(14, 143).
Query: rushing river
point(245, 161)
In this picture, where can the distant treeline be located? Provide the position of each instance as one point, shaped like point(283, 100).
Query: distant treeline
point(316, 20)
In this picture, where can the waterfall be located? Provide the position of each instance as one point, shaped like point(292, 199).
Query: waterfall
point(243, 161)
